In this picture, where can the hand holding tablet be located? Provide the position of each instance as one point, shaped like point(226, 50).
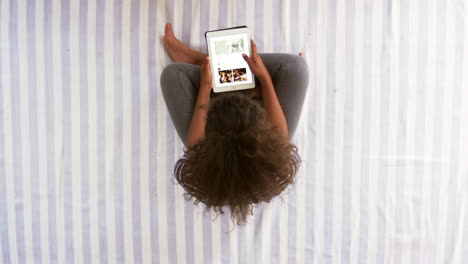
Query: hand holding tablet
point(206, 77)
point(256, 64)
point(231, 72)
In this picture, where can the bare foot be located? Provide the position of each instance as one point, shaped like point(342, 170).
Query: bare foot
point(255, 93)
point(301, 54)
point(178, 51)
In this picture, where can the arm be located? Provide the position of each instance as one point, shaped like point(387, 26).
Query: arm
point(272, 106)
point(197, 126)
point(270, 101)
point(196, 130)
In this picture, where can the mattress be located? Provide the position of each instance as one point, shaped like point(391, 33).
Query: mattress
point(87, 147)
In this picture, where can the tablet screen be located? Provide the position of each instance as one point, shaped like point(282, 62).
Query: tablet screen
point(228, 63)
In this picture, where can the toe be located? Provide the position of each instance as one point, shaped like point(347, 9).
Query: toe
point(168, 29)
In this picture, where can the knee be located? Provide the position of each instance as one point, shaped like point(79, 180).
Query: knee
point(168, 75)
point(296, 62)
point(179, 79)
point(293, 58)
point(173, 80)
point(296, 68)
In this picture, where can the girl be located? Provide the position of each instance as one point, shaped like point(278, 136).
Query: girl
point(238, 150)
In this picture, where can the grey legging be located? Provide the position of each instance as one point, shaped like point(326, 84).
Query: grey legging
point(290, 75)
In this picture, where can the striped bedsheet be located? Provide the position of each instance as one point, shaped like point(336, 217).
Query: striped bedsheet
point(87, 147)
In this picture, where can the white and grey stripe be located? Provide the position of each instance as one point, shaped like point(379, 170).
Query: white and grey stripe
point(92, 156)
point(9, 237)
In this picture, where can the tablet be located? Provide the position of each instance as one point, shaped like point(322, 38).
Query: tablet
point(230, 71)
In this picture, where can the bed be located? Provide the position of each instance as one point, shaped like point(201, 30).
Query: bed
point(87, 147)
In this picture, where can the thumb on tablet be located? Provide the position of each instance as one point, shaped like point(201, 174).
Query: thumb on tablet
point(247, 58)
point(206, 62)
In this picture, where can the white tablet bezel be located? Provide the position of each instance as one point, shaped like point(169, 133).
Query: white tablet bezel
point(227, 32)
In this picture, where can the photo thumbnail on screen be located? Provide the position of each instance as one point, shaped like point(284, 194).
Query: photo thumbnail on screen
point(232, 75)
point(240, 74)
point(225, 76)
point(229, 46)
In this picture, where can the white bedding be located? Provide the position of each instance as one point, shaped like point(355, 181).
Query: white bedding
point(87, 147)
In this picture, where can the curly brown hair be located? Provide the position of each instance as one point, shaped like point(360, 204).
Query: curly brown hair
point(242, 160)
